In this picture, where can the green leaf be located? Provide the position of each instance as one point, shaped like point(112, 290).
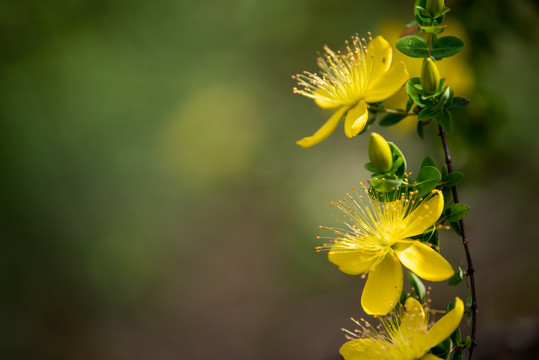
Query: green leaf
point(453, 179)
point(446, 98)
point(456, 228)
point(457, 355)
point(397, 163)
point(457, 278)
point(383, 186)
point(468, 342)
point(371, 167)
point(456, 337)
point(445, 171)
point(446, 46)
point(413, 46)
point(398, 158)
point(418, 288)
point(456, 212)
point(459, 102)
point(443, 349)
point(468, 318)
point(433, 29)
point(444, 119)
point(427, 114)
point(415, 90)
point(427, 179)
point(391, 119)
point(420, 130)
point(428, 162)
point(469, 300)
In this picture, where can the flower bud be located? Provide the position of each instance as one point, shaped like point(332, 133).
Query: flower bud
point(380, 153)
point(434, 6)
point(430, 76)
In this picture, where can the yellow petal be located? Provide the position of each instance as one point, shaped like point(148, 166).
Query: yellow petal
point(445, 326)
point(430, 357)
point(326, 129)
point(413, 321)
point(355, 119)
point(424, 216)
point(388, 84)
point(361, 349)
point(322, 99)
point(423, 261)
point(378, 57)
point(383, 287)
point(349, 261)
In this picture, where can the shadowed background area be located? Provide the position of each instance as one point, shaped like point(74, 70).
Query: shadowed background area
point(155, 205)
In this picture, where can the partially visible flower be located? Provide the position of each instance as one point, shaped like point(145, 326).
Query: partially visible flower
point(377, 240)
point(411, 340)
point(350, 80)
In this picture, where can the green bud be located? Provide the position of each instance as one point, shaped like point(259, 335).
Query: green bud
point(380, 153)
point(435, 6)
point(430, 76)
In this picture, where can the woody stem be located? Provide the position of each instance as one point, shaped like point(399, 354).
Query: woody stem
point(470, 272)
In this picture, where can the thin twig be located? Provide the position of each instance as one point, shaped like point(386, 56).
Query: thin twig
point(470, 272)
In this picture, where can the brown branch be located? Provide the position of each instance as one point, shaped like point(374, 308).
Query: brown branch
point(470, 272)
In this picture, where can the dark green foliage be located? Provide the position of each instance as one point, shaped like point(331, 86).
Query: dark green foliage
point(456, 212)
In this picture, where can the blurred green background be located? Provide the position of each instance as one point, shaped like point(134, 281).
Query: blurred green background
point(155, 205)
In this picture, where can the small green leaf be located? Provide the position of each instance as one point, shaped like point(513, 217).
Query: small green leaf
point(409, 105)
point(427, 179)
point(443, 349)
point(468, 318)
point(457, 355)
point(445, 172)
point(371, 167)
point(450, 306)
point(413, 46)
point(398, 158)
point(418, 288)
point(433, 29)
point(428, 162)
point(453, 179)
point(446, 46)
point(456, 228)
point(427, 114)
point(420, 130)
point(412, 89)
point(456, 337)
point(446, 98)
point(459, 102)
point(391, 119)
point(383, 186)
point(469, 301)
point(468, 342)
point(456, 212)
point(444, 119)
point(457, 277)
point(397, 163)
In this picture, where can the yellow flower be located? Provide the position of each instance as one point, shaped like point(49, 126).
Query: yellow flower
point(409, 341)
point(350, 80)
point(377, 240)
